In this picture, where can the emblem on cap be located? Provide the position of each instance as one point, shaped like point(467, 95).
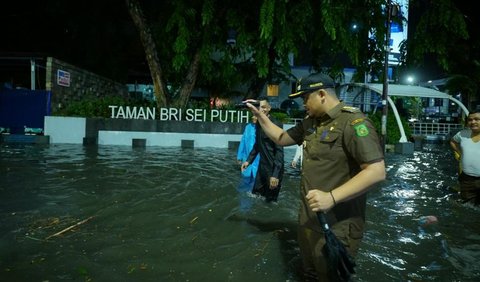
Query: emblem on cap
point(320, 84)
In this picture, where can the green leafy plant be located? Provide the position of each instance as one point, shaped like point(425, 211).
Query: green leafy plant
point(393, 132)
point(280, 116)
point(91, 106)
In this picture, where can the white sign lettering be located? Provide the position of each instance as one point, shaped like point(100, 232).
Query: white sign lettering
point(167, 114)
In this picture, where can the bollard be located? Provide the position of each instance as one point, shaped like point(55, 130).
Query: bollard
point(139, 143)
point(233, 145)
point(418, 142)
point(404, 148)
point(187, 144)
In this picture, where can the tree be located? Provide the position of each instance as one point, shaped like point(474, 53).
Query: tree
point(464, 85)
point(185, 41)
point(151, 52)
point(440, 16)
point(442, 35)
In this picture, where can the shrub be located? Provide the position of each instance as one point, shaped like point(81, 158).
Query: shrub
point(91, 106)
point(393, 132)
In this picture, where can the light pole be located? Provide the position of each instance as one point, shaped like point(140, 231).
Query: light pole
point(385, 75)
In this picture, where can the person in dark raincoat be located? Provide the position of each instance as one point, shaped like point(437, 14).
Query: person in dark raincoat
point(270, 170)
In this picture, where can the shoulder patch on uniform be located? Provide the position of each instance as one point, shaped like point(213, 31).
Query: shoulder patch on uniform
point(355, 121)
point(350, 109)
point(361, 129)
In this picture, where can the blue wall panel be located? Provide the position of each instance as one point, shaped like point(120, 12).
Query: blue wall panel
point(19, 108)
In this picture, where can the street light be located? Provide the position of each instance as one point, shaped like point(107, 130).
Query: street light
point(410, 79)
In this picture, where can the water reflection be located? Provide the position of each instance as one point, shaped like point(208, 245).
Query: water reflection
point(172, 214)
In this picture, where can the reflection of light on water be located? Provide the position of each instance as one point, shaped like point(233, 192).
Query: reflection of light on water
point(391, 263)
point(407, 240)
point(406, 171)
point(185, 208)
point(418, 186)
point(404, 194)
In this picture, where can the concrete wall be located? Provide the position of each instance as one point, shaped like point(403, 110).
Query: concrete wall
point(128, 132)
point(80, 83)
point(69, 130)
point(100, 131)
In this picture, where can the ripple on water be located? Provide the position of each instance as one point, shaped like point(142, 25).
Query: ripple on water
point(178, 215)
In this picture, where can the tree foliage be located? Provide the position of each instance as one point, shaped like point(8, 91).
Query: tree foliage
point(190, 41)
point(442, 36)
point(440, 16)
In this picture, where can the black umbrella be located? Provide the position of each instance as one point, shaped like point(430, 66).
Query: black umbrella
point(340, 262)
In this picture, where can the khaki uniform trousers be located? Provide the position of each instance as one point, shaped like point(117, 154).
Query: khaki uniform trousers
point(311, 242)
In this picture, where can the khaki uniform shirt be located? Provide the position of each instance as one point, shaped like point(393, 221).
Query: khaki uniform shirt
point(334, 147)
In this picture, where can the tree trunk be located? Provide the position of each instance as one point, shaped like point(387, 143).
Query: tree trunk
point(189, 82)
point(160, 89)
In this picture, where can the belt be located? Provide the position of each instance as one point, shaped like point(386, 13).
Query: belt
point(465, 176)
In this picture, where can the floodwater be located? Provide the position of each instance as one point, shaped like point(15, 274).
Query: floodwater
point(113, 213)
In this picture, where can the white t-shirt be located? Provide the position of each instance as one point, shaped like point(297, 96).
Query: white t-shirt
point(470, 152)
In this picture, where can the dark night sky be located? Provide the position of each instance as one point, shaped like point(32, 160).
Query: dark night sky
point(471, 16)
point(106, 43)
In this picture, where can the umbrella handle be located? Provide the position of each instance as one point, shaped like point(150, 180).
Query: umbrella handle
point(323, 221)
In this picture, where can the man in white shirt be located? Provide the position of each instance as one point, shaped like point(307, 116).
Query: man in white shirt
point(466, 144)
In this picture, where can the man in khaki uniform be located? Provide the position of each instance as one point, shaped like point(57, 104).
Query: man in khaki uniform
point(342, 159)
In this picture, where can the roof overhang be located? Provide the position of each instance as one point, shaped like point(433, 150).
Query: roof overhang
point(408, 91)
point(403, 90)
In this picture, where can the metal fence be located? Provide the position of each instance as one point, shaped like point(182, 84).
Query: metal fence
point(434, 128)
point(430, 131)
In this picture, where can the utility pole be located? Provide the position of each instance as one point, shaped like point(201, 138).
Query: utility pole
point(32, 74)
point(385, 74)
